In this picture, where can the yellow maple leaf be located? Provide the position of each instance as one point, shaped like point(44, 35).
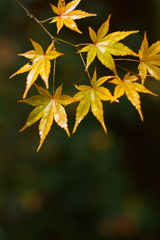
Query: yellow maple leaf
point(48, 108)
point(149, 59)
point(40, 64)
point(90, 97)
point(66, 15)
point(104, 46)
point(130, 87)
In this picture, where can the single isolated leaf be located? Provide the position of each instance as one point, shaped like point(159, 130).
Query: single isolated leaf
point(47, 108)
point(130, 87)
point(104, 46)
point(66, 15)
point(90, 97)
point(149, 59)
point(40, 64)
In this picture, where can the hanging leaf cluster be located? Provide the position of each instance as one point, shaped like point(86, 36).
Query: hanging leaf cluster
point(105, 46)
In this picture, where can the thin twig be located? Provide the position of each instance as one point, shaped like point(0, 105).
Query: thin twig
point(29, 14)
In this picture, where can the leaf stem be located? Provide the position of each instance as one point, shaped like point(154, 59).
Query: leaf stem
point(85, 66)
point(127, 70)
point(47, 19)
point(127, 59)
point(131, 71)
point(61, 40)
point(54, 71)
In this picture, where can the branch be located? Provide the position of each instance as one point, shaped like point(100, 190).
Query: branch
point(30, 15)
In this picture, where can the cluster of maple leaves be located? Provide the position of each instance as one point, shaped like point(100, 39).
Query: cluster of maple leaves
point(104, 46)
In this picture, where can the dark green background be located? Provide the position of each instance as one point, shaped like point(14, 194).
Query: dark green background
point(91, 185)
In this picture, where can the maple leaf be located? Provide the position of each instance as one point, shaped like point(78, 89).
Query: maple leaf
point(104, 46)
point(130, 87)
point(149, 59)
point(48, 108)
point(67, 15)
point(91, 96)
point(40, 65)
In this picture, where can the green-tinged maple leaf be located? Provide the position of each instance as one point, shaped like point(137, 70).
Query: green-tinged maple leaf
point(104, 46)
point(130, 87)
point(66, 15)
point(48, 108)
point(91, 96)
point(40, 64)
point(149, 59)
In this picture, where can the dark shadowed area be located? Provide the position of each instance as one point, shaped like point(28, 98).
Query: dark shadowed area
point(91, 186)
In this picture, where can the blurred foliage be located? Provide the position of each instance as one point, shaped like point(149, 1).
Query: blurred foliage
point(92, 185)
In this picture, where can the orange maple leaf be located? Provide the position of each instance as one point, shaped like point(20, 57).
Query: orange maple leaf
point(104, 46)
point(48, 108)
point(67, 15)
point(40, 64)
point(149, 59)
point(90, 97)
point(130, 87)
